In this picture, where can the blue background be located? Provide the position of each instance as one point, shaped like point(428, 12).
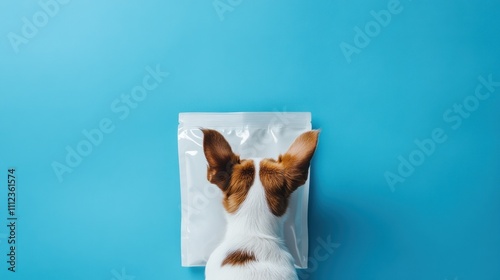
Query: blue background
point(117, 214)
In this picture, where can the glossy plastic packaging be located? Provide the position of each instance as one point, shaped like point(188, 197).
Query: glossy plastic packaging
point(263, 135)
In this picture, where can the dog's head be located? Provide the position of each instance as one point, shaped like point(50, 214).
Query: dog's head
point(278, 177)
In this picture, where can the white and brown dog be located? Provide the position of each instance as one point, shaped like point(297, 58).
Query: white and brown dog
point(255, 197)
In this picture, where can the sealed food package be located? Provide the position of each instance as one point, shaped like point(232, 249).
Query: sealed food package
point(251, 135)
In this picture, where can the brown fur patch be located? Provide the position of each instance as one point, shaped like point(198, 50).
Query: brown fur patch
point(241, 180)
point(238, 257)
point(273, 179)
point(282, 177)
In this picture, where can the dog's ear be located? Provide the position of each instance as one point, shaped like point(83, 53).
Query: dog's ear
point(220, 158)
point(282, 177)
point(297, 159)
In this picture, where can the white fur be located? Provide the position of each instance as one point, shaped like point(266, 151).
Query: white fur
point(255, 229)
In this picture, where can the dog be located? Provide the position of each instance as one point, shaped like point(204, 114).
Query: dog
point(255, 198)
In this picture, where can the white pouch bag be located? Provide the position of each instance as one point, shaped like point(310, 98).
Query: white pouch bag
point(250, 135)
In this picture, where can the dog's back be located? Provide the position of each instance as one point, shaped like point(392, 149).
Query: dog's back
point(255, 259)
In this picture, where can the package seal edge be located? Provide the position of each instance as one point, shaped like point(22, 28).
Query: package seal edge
point(235, 119)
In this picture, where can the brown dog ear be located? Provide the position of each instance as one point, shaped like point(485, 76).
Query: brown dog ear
point(220, 158)
point(297, 159)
